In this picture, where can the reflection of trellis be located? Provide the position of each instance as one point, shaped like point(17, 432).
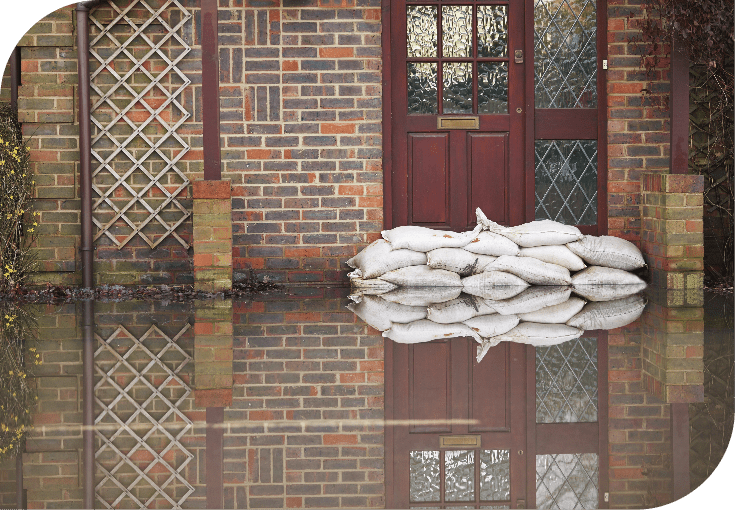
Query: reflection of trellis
point(137, 115)
point(140, 424)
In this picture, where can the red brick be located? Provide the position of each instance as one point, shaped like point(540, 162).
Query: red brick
point(211, 189)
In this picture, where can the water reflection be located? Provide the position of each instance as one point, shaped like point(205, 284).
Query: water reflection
point(294, 401)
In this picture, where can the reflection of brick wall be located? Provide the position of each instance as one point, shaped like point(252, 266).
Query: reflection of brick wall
point(305, 373)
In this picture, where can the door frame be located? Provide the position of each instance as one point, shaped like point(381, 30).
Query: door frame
point(529, 124)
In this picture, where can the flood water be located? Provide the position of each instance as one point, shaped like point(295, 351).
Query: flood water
point(290, 400)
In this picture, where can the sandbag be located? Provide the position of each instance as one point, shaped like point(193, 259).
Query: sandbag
point(421, 296)
point(426, 331)
point(492, 325)
point(490, 279)
point(426, 239)
point(609, 314)
point(556, 314)
point(559, 255)
point(458, 261)
point(535, 333)
point(532, 299)
point(458, 310)
point(490, 243)
point(608, 251)
point(485, 346)
point(379, 257)
point(535, 233)
point(381, 314)
point(607, 292)
point(422, 276)
point(596, 275)
point(480, 286)
point(373, 286)
point(532, 270)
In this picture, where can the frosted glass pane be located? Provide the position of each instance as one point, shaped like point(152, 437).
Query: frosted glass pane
point(567, 481)
point(492, 31)
point(494, 475)
point(457, 31)
point(457, 80)
point(422, 80)
point(421, 26)
point(459, 475)
point(424, 479)
point(492, 87)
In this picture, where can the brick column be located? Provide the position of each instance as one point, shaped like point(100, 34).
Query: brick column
point(212, 221)
point(672, 238)
point(213, 353)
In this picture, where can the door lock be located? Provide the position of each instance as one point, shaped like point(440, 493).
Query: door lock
point(519, 56)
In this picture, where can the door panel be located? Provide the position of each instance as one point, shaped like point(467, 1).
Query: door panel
point(430, 387)
point(490, 392)
point(428, 165)
point(488, 157)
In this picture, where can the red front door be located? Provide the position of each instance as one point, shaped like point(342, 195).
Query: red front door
point(457, 71)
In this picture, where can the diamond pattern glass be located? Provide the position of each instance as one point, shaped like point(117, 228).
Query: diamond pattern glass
point(566, 181)
point(566, 382)
point(492, 31)
point(565, 56)
point(459, 475)
point(457, 80)
point(567, 481)
point(457, 31)
point(494, 475)
point(424, 477)
point(421, 23)
point(422, 79)
point(492, 87)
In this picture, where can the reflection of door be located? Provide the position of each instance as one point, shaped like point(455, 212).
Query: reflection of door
point(457, 105)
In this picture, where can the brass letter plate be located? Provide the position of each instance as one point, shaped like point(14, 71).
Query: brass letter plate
point(459, 441)
point(458, 122)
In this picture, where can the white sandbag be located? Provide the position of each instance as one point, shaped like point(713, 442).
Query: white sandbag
point(458, 310)
point(532, 299)
point(373, 286)
point(535, 333)
point(532, 270)
point(556, 314)
point(426, 239)
point(485, 346)
point(596, 275)
point(490, 243)
point(379, 257)
point(559, 255)
point(609, 314)
point(607, 292)
point(608, 251)
point(535, 233)
point(422, 276)
point(490, 279)
point(381, 314)
point(421, 296)
point(492, 325)
point(426, 331)
point(458, 261)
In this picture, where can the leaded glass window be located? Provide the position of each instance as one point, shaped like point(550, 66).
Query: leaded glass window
point(567, 481)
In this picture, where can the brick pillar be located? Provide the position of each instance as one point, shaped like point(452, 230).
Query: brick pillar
point(672, 348)
point(213, 353)
point(672, 237)
point(212, 221)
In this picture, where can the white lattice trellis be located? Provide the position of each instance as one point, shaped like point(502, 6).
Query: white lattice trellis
point(140, 424)
point(136, 156)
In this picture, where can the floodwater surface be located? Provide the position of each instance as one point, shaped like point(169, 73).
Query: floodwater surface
point(291, 400)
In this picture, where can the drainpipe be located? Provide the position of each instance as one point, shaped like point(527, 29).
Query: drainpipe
point(85, 139)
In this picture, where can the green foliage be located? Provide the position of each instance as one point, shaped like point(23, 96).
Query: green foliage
point(18, 224)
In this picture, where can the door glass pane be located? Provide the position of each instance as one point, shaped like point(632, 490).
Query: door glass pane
point(566, 181)
point(424, 479)
point(567, 481)
point(566, 382)
point(565, 56)
point(421, 27)
point(422, 81)
point(459, 475)
point(492, 87)
point(457, 31)
point(492, 31)
point(457, 80)
point(494, 475)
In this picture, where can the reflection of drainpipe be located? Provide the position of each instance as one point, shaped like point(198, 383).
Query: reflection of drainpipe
point(88, 402)
point(85, 139)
